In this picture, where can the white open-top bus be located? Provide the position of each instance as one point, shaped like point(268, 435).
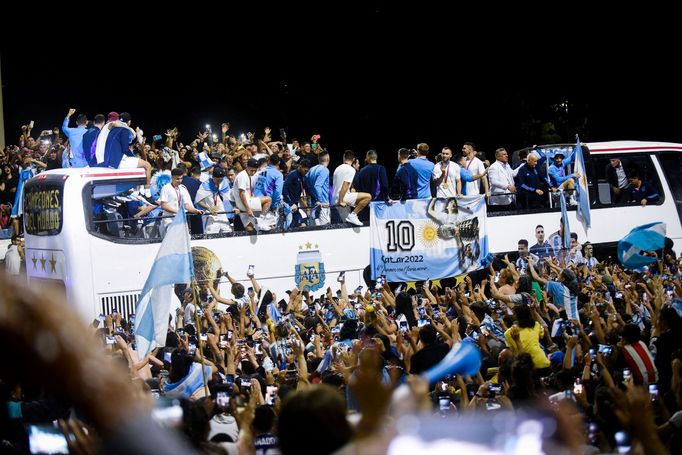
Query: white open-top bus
point(102, 262)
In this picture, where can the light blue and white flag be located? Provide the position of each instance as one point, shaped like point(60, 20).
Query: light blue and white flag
point(421, 239)
point(649, 237)
point(583, 212)
point(566, 240)
point(173, 264)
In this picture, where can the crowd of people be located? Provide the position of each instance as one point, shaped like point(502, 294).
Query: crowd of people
point(261, 183)
point(578, 339)
point(594, 345)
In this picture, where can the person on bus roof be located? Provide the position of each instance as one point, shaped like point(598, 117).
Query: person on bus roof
point(560, 177)
point(172, 195)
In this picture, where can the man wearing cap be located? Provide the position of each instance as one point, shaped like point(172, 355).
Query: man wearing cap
point(245, 200)
point(210, 196)
point(560, 178)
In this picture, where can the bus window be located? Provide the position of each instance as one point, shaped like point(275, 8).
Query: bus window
point(607, 176)
point(43, 205)
point(672, 168)
point(112, 207)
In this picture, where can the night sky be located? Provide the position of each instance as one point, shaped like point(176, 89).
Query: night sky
point(363, 76)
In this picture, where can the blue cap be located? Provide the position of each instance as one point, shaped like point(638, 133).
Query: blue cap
point(350, 314)
point(557, 359)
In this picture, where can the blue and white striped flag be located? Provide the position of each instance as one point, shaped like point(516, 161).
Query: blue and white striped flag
point(566, 240)
point(173, 264)
point(583, 212)
point(649, 237)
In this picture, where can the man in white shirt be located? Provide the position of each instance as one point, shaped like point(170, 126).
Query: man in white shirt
point(446, 176)
point(501, 178)
point(245, 201)
point(13, 257)
point(210, 196)
point(172, 194)
point(475, 166)
point(343, 180)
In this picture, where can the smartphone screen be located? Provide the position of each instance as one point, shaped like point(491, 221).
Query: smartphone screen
point(341, 277)
point(167, 412)
point(653, 392)
point(46, 439)
point(222, 399)
point(167, 356)
point(250, 270)
point(270, 395)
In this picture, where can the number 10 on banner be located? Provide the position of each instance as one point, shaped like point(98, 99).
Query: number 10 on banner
point(400, 235)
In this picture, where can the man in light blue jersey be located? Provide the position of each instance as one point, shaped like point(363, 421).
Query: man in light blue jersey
point(269, 183)
point(317, 180)
point(75, 136)
point(424, 169)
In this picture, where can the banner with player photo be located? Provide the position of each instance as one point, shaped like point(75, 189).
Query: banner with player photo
point(422, 239)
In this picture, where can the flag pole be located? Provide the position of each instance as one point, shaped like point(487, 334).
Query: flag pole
point(195, 293)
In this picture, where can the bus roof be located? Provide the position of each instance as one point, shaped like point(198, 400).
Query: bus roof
point(631, 147)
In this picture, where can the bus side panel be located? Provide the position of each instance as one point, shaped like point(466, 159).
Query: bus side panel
point(317, 255)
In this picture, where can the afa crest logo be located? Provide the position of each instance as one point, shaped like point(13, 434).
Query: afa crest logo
point(310, 274)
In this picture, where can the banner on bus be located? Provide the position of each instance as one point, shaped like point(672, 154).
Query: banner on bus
point(422, 239)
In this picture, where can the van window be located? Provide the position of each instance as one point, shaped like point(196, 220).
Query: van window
point(608, 178)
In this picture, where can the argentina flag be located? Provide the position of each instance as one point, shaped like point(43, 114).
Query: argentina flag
point(173, 264)
point(583, 211)
point(649, 237)
point(566, 239)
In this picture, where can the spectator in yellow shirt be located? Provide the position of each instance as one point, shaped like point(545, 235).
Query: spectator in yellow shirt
point(526, 335)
